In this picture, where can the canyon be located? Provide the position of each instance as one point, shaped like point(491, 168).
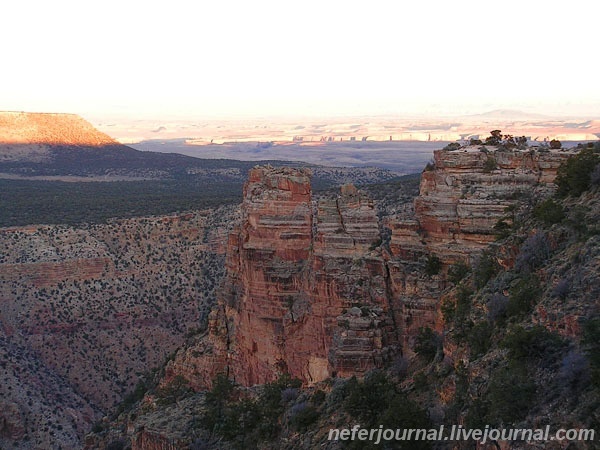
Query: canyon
point(310, 290)
point(315, 285)
point(86, 310)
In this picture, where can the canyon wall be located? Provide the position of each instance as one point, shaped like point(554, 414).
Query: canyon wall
point(85, 310)
point(465, 196)
point(305, 292)
point(311, 292)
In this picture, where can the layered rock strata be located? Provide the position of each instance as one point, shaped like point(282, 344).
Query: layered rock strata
point(310, 292)
point(462, 200)
point(305, 292)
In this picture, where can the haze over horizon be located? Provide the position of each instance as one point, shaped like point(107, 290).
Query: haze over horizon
point(312, 58)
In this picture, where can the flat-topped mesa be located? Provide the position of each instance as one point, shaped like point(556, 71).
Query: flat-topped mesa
point(34, 137)
point(49, 129)
point(276, 212)
point(305, 291)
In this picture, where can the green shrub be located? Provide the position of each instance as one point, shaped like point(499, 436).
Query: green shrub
point(177, 389)
point(485, 269)
point(433, 265)
point(523, 296)
point(549, 212)
point(480, 339)
point(574, 175)
point(378, 401)
point(591, 345)
point(510, 396)
point(427, 343)
point(533, 343)
point(303, 415)
point(490, 165)
point(457, 271)
point(502, 229)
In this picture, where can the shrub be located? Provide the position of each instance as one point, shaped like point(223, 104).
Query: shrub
point(377, 401)
point(534, 252)
point(485, 269)
point(456, 272)
point(480, 339)
point(523, 295)
point(496, 307)
point(535, 342)
point(175, 390)
point(427, 343)
point(549, 212)
point(119, 444)
point(555, 144)
point(490, 165)
point(318, 397)
point(595, 176)
point(511, 394)
point(574, 370)
point(502, 229)
point(303, 415)
point(452, 146)
point(562, 289)
point(433, 265)
point(591, 345)
point(575, 175)
point(495, 138)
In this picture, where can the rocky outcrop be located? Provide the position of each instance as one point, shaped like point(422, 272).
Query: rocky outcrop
point(147, 440)
point(305, 292)
point(463, 198)
point(465, 195)
point(310, 292)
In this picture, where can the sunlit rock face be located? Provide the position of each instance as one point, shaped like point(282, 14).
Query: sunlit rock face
point(310, 291)
point(306, 289)
point(462, 199)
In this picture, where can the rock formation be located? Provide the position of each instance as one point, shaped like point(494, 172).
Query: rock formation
point(29, 136)
point(310, 292)
point(462, 199)
point(305, 292)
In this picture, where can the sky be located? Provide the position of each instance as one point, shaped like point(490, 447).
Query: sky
point(227, 58)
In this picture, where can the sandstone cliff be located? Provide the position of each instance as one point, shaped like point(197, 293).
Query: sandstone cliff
point(464, 195)
point(315, 288)
point(305, 292)
point(310, 291)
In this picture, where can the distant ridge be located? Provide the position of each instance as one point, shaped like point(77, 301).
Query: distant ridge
point(508, 114)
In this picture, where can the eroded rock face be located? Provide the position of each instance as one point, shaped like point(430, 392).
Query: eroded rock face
point(459, 205)
point(310, 292)
point(84, 310)
point(305, 292)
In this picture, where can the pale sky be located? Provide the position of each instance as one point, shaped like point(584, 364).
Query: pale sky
point(311, 57)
